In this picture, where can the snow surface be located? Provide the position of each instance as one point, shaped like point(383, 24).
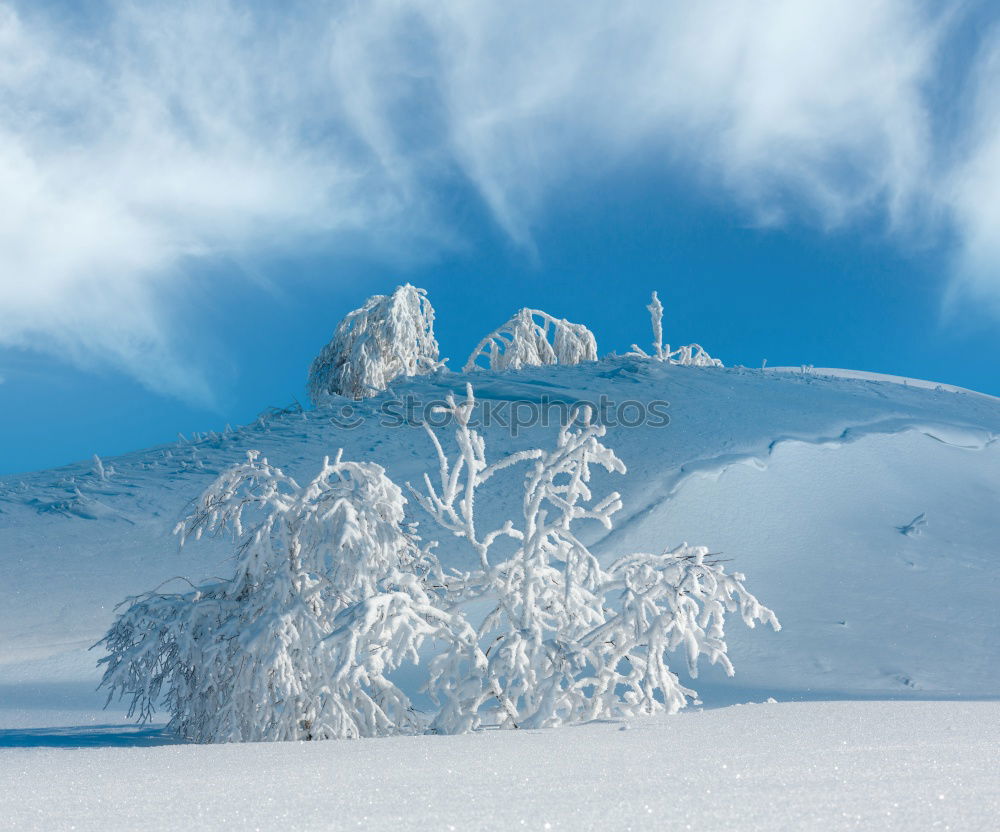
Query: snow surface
point(796, 766)
point(867, 375)
point(863, 511)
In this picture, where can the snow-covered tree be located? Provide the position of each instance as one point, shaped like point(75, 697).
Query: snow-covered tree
point(390, 336)
point(566, 639)
point(692, 354)
point(676, 601)
point(329, 596)
point(533, 338)
point(331, 593)
point(544, 590)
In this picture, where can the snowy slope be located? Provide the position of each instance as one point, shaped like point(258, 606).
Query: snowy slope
point(863, 510)
point(805, 481)
point(866, 375)
point(826, 766)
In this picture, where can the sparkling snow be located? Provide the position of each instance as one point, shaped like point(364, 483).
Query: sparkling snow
point(821, 765)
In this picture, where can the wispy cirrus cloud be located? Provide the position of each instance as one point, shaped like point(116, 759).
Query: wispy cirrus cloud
point(972, 184)
point(819, 101)
point(148, 136)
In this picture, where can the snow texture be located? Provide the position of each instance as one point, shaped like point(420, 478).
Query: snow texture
point(828, 766)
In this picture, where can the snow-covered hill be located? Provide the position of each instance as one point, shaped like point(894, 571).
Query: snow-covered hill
point(862, 511)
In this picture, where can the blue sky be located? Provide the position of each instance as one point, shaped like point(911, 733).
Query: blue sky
point(194, 194)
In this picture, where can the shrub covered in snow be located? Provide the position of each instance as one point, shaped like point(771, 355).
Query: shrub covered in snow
point(332, 593)
point(692, 354)
point(566, 639)
point(390, 336)
point(327, 599)
point(533, 338)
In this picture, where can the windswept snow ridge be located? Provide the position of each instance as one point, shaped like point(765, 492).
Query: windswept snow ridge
point(864, 375)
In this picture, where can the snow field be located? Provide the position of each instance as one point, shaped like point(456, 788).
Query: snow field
point(796, 766)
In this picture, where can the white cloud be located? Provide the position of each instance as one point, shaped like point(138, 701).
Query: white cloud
point(132, 146)
point(973, 186)
point(820, 100)
point(176, 134)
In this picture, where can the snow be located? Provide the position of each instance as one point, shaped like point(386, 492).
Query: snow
point(866, 375)
point(821, 765)
point(803, 479)
point(865, 608)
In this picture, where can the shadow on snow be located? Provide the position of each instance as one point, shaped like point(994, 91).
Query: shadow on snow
point(87, 736)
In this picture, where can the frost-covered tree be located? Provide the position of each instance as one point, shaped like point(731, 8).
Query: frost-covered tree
point(692, 354)
point(566, 639)
point(533, 338)
point(330, 595)
point(390, 336)
point(677, 601)
point(540, 592)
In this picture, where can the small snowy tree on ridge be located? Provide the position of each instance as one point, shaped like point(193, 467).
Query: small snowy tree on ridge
point(390, 336)
point(524, 341)
point(692, 354)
